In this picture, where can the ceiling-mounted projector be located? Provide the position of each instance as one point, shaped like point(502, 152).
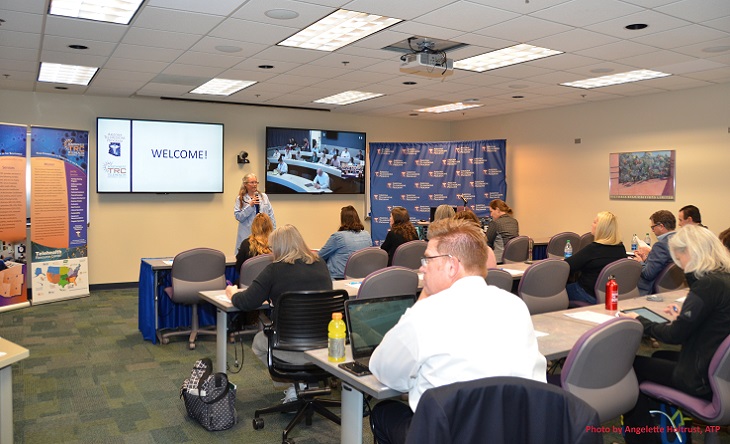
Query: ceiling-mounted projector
point(428, 64)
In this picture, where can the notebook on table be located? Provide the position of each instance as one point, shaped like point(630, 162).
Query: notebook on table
point(368, 320)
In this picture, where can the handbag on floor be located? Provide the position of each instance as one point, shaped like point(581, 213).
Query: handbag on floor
point(209, 397)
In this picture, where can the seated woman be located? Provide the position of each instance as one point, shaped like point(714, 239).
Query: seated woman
point(502, 228)
point(699, 326)
point(350, 237)
point(471, 217)
point(295, 268)
point(401, 231)
point(443, 212)
point(591, 259)
point(258, 242)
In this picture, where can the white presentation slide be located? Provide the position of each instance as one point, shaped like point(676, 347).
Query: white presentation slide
point(114, 154)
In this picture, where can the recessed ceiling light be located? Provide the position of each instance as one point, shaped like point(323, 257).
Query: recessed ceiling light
point(70, 74)
point(62, 88)
point(518, 97)
point(338, 29)
point(636, 26)
point(449, 107)
point(111, 11)
point(504, 57)
point(281, 14)
point(409, 83)
point(228, 49)
point(348, 97)
point(78, 47)
point(413, 114)
point(266, 66)
point(714, 49)
point(617, 79)
point(222, 87)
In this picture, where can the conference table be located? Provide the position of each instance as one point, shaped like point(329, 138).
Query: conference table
point(556, 332)
point(10, 353)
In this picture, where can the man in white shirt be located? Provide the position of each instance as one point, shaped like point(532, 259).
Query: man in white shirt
point(283, 168)
point(345, 157)
point(321, 180)
point(460, 329)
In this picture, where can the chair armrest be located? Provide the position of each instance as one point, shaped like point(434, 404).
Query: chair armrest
point(267, 323)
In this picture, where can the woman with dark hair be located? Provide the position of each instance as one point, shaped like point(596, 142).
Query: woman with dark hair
point(258, 242)
point(350, 237)
point(502, 228)
point(401, 231)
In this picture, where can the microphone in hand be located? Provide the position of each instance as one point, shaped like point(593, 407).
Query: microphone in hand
point(257, 205)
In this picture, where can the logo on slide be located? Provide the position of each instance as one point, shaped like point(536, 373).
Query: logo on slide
point(115, 149)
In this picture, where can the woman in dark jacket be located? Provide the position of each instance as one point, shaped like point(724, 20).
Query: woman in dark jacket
point(401, 231)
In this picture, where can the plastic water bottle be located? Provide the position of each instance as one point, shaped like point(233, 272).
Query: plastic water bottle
point(568, 249)
point(336, 339)
point(634, 243)
point(647, 239)
point(611, 294)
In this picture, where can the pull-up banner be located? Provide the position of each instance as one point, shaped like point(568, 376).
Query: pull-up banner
point(13, 291)
point(59, 177)
point(421, 175)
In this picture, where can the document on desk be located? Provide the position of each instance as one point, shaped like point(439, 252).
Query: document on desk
point(167, 261)
point(540, 334)
point(514, 272)
point(589, 316)
point(681, 300)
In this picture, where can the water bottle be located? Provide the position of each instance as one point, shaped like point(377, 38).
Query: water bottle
point(568, 249)
point(647, 239)
point(634, 243)
point(611, 294)
point(336, 339)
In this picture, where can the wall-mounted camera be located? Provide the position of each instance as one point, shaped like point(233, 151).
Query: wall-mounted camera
point(243, 157)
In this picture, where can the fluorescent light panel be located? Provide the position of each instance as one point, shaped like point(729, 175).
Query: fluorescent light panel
point(112, 11)
point(617, 79)
point(68, 74)
point(348, 97)
point(449, 107)
point(222, 87)
point(338, 29)
point(504, 57)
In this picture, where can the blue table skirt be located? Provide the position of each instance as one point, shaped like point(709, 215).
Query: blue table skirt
point(539, 252)
point(171, 315)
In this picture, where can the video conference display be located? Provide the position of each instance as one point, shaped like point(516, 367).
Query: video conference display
point(151, 156)
point(314, 161)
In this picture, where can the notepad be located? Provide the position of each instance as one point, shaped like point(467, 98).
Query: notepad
point(589, 316)
point(514, 272)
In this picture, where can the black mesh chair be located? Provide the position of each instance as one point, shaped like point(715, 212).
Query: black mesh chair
point(299, 323)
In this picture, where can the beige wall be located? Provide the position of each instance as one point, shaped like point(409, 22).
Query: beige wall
point(556, 185)
point(553, 183)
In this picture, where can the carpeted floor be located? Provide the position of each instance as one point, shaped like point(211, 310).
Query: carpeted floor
point(91, 378)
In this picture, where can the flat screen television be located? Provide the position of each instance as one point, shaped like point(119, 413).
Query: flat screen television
point(155, 156)
point(314, 161)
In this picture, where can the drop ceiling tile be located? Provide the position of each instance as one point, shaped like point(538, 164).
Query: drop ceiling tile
point(582, 13)
point(465, 16)
point(163, 19)
point(136, 65)
point(255, 11)
point(403, 10)
point(84, 29)
point(683, 36)
point(32, 6)
point(655, 59)
point(191, 58)
point(15, 39)
point(523, 29)
point(657, 22)
point(574, 40)
point(247, 31)
point(21, 21)
point(147, 53)
point(159, 39)
point(218, 7)
point(697, 10)
point(60, 44)
point(73, 59)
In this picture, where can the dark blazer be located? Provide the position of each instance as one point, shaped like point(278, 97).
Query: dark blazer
point(656, 261)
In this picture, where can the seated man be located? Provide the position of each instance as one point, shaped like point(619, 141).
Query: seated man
point(689, 214)
point(492, 335)
point(283, 168)
point(655, 260)
point(321, 180)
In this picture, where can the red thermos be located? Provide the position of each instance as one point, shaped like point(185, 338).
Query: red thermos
point(611, 294)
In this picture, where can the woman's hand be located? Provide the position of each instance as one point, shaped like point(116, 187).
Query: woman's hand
point(673, 311)
point(631, 315)
point(231, 290)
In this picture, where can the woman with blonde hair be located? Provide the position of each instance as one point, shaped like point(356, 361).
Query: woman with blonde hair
point(590, 260)
point(443, 212)
point(258, 242)
point(350, 237)
point(401, 231)
point(249, 203)
point(502, 228)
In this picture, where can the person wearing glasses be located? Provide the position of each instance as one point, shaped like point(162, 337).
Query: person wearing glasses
point(654, 260)
point(249, 203)
point(416, 355)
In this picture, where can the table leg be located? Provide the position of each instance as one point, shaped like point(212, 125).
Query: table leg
point(221, 337)
point(157, 310)
point(6, 405)
point(351, 428)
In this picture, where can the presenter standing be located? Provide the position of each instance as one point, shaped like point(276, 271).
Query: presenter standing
point(249, 203)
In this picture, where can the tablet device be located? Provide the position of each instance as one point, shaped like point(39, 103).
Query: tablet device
point(648, 314)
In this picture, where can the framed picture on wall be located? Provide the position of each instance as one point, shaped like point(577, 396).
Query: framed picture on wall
point(643, 175)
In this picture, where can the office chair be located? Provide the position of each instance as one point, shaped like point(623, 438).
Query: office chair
point(390, 281)
point(599, 368)
point(627, 273)
point(585, 239)
point(195, 270)
point(299, 323)
point(542, 286)
point(556, 244)
point(409, 254)
point(516, 250)
point(670, 279)
point(502, 410)
point(364, 261)
point(500, 278)
point(251, 268)
point(715, 412)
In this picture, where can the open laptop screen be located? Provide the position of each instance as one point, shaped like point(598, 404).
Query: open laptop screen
point(368, 320)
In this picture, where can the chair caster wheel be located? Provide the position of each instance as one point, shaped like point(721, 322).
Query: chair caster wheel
point(258, 423)
point(165, 340)
point(191, 346)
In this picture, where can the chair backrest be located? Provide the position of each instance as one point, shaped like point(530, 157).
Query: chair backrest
point(542, 286)
point(669, 279)
point(556, 245)
point(585, 239)
point(502, 410)
point(516, 250)
point(364, 261)
point(627, 273)
point(390, 281)
point(599, 368)
point(500, 278)
point(409, 254)
point(251, 268)
point(199, 269)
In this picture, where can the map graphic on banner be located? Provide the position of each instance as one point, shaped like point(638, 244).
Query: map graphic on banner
point(421, 175)
point(59, 178)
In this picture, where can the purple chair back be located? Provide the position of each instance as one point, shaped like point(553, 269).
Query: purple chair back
point(364, 261)
point(389, 281)
point(251, 268)
point(599, 368)
point(627, 273)
point(556, 244)
point(542, 286)
point(409, 254)
point(500, 278)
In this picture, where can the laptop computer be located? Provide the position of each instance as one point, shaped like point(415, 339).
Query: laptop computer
point(368, 320)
